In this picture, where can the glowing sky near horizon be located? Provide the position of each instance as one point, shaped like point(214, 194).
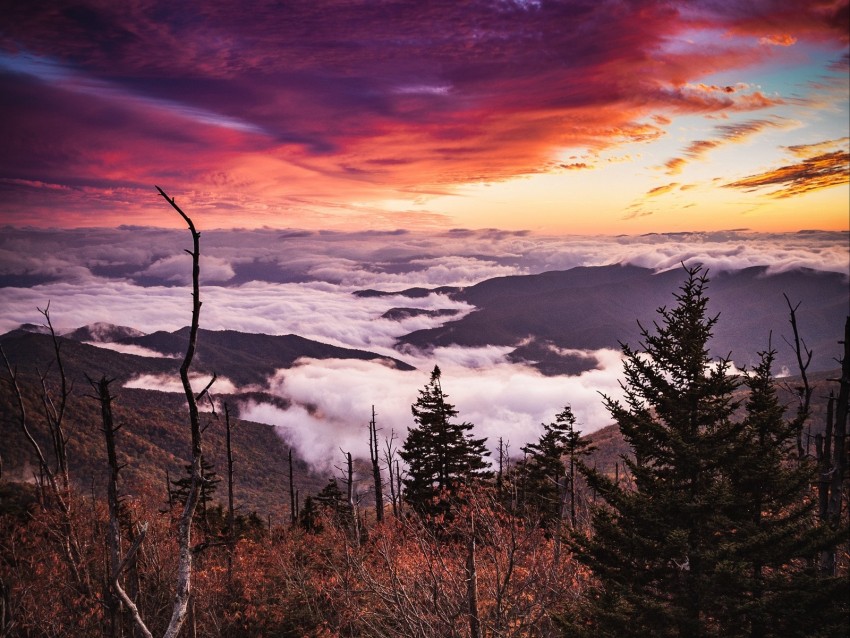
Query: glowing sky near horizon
point(580, 117)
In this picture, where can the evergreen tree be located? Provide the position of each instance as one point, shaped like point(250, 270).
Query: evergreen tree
point(711, 540)
point(333, 502)
point(183, 485)
point(441, 455)
point(308, 517)
point(772, 587)
point(547, 481)
point(656, 548)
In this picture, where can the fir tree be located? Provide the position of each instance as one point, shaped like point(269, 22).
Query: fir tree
point(441, 455)
point(772, 587)
point(308, 517)
point(208, 487)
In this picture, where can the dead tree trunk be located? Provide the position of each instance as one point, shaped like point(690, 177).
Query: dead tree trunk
point(389, 459)
point(54, 491)
point(376, 469)
point(832, 455)
point(230, 531)
point(293, 503)
point(472, 584)
point(184, 534)
point(117, 564)
point(804, 392)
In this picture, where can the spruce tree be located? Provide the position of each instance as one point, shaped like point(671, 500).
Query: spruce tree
point(713, 539)
point(333, 502)
point(547, 480)
point(441, 455)
point(656, 549)
point(183, 485)
point(772, 587)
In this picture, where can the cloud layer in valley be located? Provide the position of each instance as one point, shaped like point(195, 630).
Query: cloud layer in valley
point(331, 400)
point(303, 282)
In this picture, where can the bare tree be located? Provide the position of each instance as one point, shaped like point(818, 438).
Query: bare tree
point(351, 494)
point(53, 480)
point(293, 497)
point(230, 531)
point(389, 459)
point(804, 392)
point(472, 582)
point(376, 469)
point(184, 533)
point(832, 456)
point(116, 562)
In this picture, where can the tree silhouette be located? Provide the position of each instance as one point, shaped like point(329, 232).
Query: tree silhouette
point(441, 455)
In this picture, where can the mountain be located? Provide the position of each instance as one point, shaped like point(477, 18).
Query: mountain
point(549, 316)
point(154, 433)
point(398, 314)
point(102, 332)
point(246, 358)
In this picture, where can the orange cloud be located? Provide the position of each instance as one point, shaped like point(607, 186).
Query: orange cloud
point(779, 40)
point(815, 173)
point(660, 190)
point(674, 165)
point(805, 151)
point(728, 134)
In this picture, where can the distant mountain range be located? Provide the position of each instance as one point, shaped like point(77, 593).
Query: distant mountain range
point(243, 358)
point(102, 332)
point(546, 317)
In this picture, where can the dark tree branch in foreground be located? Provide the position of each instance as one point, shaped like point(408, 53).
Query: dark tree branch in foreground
point(184, 538)
point(56, 494)
point(376, 469)
point(804, 392)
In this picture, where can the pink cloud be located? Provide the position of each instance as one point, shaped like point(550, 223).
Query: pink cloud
point(287, 111)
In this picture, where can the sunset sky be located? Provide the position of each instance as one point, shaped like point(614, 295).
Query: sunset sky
point(581, 117)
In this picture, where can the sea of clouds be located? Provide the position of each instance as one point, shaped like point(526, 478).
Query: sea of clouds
point(280, 282)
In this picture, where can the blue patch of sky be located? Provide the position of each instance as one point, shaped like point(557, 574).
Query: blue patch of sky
point(56, 73)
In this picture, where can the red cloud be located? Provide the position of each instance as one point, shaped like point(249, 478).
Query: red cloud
point(339, 101)
point(780, 40)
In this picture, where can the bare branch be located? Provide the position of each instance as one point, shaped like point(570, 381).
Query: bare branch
point(804, 358)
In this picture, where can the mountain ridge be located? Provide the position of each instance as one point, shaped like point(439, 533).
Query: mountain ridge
point(589, 308)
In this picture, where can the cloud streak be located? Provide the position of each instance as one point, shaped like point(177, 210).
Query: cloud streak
point(814, 173)
point(725, 134)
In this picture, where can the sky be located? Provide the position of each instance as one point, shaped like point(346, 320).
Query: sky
point(579, 117)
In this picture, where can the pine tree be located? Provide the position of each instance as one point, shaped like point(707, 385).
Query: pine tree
point(547, 481)
point(308, 517)
point(441, 455)
point(208, 487)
